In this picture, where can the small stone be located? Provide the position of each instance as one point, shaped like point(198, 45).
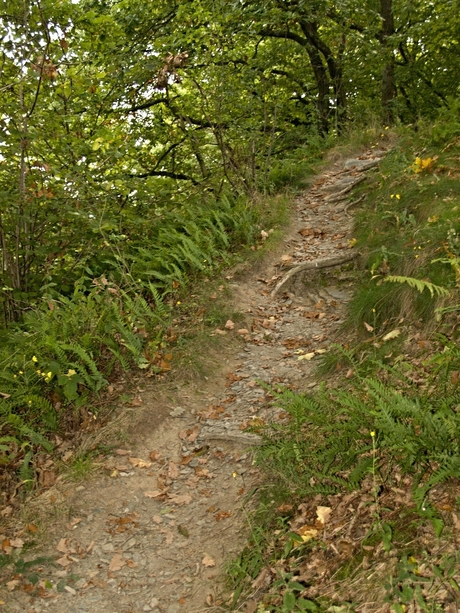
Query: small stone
point(108, 547)
point(146, 608)
point(154, 602)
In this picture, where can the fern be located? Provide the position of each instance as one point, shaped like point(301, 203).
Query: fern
point(418, 284)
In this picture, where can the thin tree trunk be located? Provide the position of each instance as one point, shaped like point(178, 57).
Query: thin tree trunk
point(388, 73)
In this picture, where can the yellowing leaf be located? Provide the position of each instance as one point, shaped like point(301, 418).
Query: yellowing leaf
point(391, 335)
point(307, 356)
point(323, 514)
point(307, 533)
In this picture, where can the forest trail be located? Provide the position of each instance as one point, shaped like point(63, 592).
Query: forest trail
point(154, 533)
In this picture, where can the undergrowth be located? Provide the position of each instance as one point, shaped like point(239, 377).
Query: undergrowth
point(385, 429)
point(127, 307)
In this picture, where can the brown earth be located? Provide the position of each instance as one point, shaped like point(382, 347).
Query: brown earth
point(156, 526)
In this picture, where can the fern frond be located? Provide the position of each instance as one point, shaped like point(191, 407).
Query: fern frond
point(418, 284)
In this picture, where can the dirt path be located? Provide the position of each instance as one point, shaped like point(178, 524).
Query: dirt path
point(153, 534)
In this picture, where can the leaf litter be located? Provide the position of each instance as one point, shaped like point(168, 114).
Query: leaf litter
point(171, 501)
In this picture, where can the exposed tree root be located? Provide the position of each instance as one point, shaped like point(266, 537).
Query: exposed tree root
point(314, 265)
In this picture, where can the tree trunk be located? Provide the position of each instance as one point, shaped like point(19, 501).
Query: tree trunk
point(388, 73)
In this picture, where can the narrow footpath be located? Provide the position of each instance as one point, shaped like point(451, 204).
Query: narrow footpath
point(153, 534)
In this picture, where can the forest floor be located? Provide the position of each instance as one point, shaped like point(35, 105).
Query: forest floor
point(154, 529)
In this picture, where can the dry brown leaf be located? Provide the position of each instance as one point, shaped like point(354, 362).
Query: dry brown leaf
point(122, 451)
point(116, 563)
point(62, 546)
point(11, 585)
point(229, 325)
point(64, 561)
point(208, 561)
point(17, 543)
point(173, 471)
point(156, 493)
point(180, 499)
point(368, 327)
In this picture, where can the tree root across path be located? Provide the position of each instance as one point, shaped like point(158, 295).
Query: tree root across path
point(314, 265)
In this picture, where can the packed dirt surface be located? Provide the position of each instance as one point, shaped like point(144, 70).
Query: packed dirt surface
point(154, 532)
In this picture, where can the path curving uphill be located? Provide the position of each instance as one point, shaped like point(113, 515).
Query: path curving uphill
point(154, 533)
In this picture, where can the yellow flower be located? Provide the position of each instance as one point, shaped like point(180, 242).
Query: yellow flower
point(34, 358)
point(178, 302)
point(71, 372)
point(21, 372)
point(48, 376)
point(372, 434)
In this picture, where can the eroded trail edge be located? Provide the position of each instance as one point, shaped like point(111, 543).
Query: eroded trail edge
point(154, 533)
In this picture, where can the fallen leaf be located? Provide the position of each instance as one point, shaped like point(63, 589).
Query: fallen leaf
point(263, 234)
point(323, 514)
point(180, 499)
point(391, 335)
point(368, 327)
point(307, 533)
point(62, 546)
point(17, 543)
point(122, 452)
point(242, 331)
point(12, 584)
point(229, 325)
point(157, 519)
point(208, 561)
point(139, 463)
point(154, 456)
point(64, 561)
point(116, 563)
point(155, 493)
point(173, 471)
point(222, 515)
point(307, 356)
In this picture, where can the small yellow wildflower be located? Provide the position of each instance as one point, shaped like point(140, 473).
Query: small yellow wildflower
point(39, 372)
point(34, 358)
point(178, 302)
point(48, 376)
point(71, 372)
point(398, 196)
point(20, 372)
point(372, 434)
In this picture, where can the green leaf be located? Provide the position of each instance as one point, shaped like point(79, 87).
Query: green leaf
point(288, 601)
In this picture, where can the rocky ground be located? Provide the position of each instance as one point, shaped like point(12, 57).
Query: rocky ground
point(153, 531)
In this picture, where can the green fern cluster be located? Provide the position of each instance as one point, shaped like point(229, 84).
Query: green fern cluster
point(192, 240)
point(62, 353)
point(327, 447)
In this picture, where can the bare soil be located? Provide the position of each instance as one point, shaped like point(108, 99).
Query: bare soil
point(153, 530)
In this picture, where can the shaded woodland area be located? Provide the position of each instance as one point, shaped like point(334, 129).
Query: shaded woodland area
point(136, 137)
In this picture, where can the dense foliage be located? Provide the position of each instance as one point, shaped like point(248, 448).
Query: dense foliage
point(134, 138)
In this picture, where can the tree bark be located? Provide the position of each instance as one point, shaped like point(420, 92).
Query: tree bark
point(388, 72)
